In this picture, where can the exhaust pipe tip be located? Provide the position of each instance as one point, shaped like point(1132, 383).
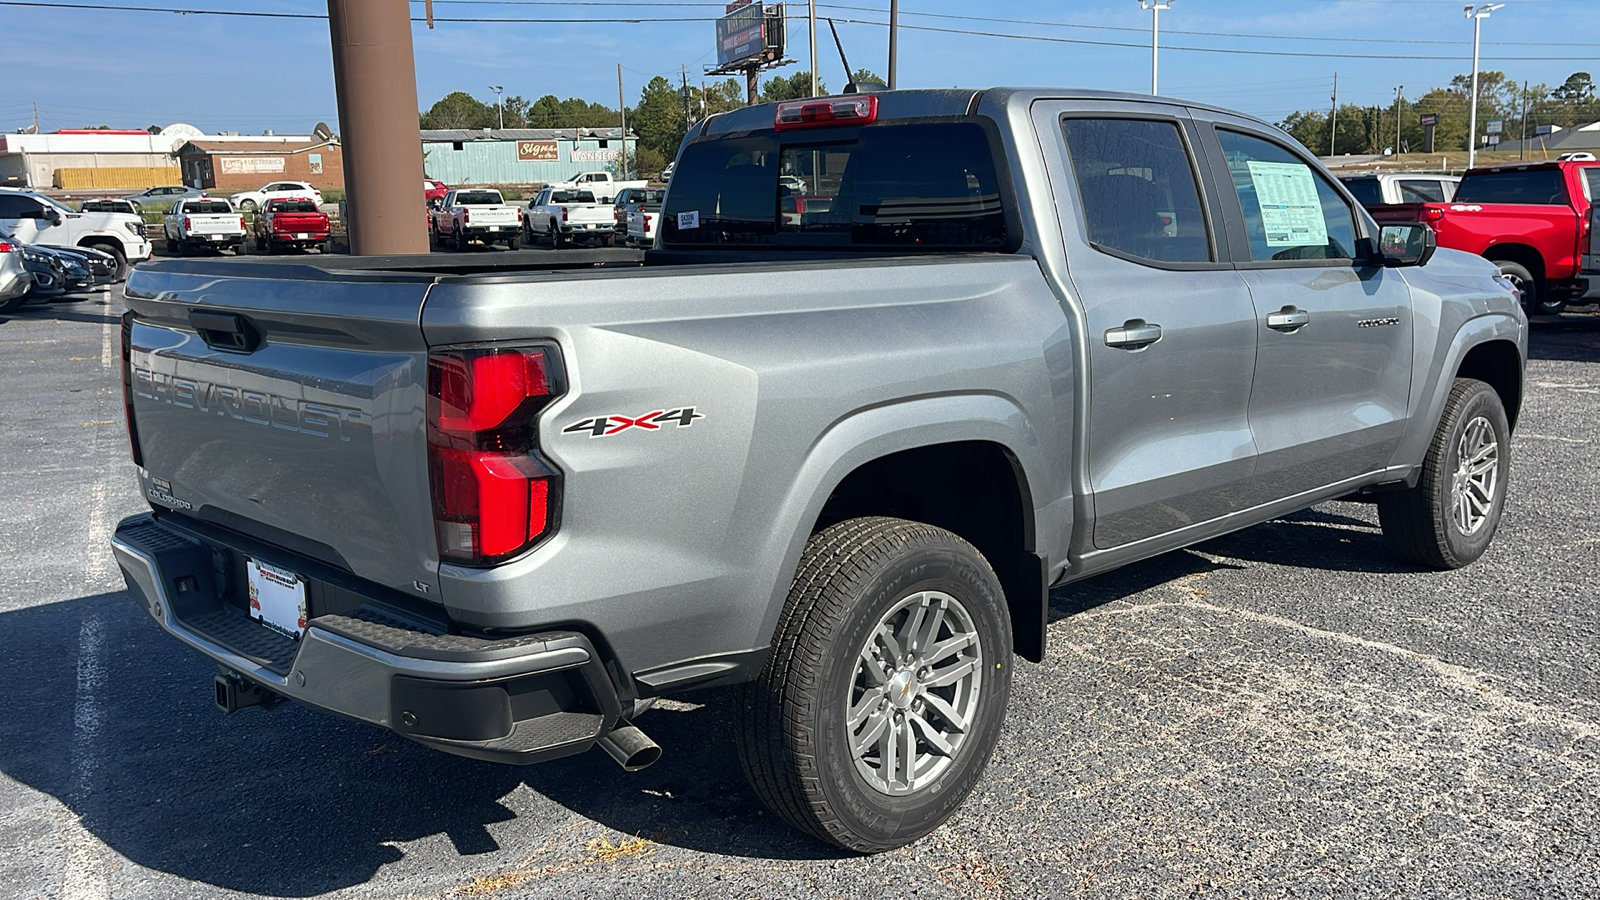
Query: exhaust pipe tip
point(630, 747)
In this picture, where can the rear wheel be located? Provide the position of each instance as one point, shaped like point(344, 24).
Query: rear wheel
point(1449, 518)
point(514, 243)
point(115, 251)
point(886, 688)
point(461, 241)
point(1534, 296)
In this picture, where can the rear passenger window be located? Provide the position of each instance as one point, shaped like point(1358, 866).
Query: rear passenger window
point(1137, 189)
point(1290, 211)
point(1421, 192)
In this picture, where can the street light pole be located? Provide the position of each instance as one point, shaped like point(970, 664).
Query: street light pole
point(500, 108)
point(1155, 7)
point(1477, 15)
point(813, 6)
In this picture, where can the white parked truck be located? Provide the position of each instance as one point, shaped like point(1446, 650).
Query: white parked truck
point(600, 183)
point(470, 214)
point(203, 222)
point(564, 216)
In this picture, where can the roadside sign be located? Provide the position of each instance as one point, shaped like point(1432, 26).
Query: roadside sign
point(1496, 126)
point(537, 151)
point(1429, 118)
point(1494, 140)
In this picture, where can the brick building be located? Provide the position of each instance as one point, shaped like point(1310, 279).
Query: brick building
point(242, 165)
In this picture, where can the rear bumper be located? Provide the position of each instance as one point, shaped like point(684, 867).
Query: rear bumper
point(521, 699)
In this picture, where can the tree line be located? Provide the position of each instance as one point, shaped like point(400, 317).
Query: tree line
point(1521, 107)
point(660, 118)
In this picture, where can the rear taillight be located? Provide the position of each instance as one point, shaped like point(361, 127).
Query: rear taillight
point(494, 495)
point(185, 223)
point(7, 247)
point(563, 213)
point(859, 109)
point(127, 386)
point(1433, 214)
point(466, 215)
point(646, 223)
point(241, 223)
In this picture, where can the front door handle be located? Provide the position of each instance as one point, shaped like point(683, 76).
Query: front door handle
point(1135, 334)
point(1288, 319)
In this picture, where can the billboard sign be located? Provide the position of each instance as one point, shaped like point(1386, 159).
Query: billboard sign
point(1429, 118)
point(742, 33)
point(1497, 126)
point(537, 151)
point(596, 155)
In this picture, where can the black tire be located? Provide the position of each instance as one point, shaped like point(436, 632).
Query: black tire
point(247, 205)
point(433, 235)
point(791, 725)
point(8, 305)
point(116, 251)
point(1534, 297)
point(172, 247)
point(461, 240)
point(1421, 524)
point(514, 243)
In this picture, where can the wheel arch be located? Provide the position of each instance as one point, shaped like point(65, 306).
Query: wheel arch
point(955, 462)
point(1500, 364)
point(1522, 254)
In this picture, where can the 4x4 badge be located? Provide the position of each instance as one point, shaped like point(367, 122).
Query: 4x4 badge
point(605, 426)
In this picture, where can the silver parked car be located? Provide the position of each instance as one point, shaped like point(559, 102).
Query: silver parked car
point(15, 279)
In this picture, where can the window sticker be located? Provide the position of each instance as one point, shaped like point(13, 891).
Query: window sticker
point(688, 220)
point(1291, 213)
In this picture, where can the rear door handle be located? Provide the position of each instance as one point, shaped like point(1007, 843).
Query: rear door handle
point(1288, 319)
point(1135, 334)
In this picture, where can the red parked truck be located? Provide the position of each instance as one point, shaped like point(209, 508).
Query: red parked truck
point(294, 222)
point(1533, 220)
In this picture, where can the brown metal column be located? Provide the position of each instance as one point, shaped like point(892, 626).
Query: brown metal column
point(375, 78)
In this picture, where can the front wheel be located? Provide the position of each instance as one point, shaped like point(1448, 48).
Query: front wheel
point(1449, 518)
point(247, 205)
point(886, 688)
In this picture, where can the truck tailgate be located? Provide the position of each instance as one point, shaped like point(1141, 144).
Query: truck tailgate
point(299, 223)
point(210, 223)
point(491, 215)
point(288, 411)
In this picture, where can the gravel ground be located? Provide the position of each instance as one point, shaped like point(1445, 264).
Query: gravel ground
point(1286, 711)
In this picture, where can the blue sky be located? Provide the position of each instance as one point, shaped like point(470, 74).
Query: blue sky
point(132, 69)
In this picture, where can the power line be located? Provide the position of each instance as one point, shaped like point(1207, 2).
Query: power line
point(658, 19)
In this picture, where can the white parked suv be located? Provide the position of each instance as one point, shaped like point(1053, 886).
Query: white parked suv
point(33, 218)
point(250, 201)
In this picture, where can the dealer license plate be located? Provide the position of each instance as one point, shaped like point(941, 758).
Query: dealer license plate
point(494, 227)
point(301, 235)
point(277, 598)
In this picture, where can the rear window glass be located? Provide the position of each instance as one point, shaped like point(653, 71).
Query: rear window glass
point(1421, 192)
point(299, 206)
point(1532, 186)
point(1367, 191)
point(924, 185)
point(477, 198)
point(207, 206)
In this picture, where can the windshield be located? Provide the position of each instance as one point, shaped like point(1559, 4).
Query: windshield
point(478, 198)
point(53, 202)
point(1539, 187)
point(926, 186)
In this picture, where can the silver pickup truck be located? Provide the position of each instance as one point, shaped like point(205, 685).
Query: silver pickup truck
point(897, 365)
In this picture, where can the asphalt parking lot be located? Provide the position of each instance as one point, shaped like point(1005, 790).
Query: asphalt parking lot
point(1286, 711)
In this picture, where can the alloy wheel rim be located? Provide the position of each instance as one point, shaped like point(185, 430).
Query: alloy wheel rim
point(1477, 476)
point(914, 698)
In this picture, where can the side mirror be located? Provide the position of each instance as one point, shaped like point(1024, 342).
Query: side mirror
point(1406, 245)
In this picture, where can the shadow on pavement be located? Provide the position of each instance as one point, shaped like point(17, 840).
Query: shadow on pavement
point(75, 308)
point(1573, 337)
point(293, 802)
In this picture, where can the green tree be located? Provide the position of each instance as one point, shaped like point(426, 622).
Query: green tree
point(459, 109)
point(658, 120)
point(795, 87)
point(1578, 86)
point(722, 96)
point(861, 75)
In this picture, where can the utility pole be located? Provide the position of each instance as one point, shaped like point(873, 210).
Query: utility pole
point(1155, 7)
point(683, 74)
point(375, 80)
point(813, 5)
point(1333, 120)
point(894, 31)
point(35, 117)
point(1477, 15)
point(499, 105)
point(1522, 145)
point(1397, 89)
point(622, 105)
